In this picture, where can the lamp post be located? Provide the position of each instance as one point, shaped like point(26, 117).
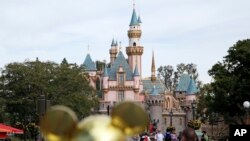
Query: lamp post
point(171, 115)
point(246, 105)
point(42, 106)
point(193, 104)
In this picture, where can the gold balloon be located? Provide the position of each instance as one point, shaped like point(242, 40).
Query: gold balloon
point(59, 124)
point(130, 118)
point(97, 128)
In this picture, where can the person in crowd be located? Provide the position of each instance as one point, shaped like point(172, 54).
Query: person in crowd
point(204, 136)
point(144, 137)
point(173, 135)
point(189, 134)
point(159, 136)
point(179, 136)
point(167, 135)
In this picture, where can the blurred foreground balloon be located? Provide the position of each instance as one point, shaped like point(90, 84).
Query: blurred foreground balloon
point(59, 124)
point(127, 119)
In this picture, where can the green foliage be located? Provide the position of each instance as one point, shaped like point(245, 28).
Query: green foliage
point(65, 83)
point(100, 65)
point(170, 77)
point(231, 82)
point(204, 98)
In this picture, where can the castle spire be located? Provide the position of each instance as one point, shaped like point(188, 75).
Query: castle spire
point(134, 20)
point(133, 4)
point(153, 77)
point(113, 42)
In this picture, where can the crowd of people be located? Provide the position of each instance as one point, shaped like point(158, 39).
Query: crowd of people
point(188, 134)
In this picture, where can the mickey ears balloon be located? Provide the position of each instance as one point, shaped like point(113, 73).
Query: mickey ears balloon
point(127, 119)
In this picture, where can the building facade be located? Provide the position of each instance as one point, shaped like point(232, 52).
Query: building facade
point(122, 80)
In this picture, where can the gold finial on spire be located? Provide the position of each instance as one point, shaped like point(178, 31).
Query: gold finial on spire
point(153, 77)
point(153, 63)
point(120, 48)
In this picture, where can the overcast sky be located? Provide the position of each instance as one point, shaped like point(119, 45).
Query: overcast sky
point(188, 31)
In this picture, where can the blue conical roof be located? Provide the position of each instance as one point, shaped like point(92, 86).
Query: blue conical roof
point(136, 72)
point(105, 74)
point(134, 20)
point(186, 84)
point(139, 19)
point(183, 83)
point(192, 89)
point(89, 64)
point(113, 42)
point(154, 91)
point(116, 44)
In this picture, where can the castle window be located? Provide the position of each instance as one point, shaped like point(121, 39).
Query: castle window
point(168, 103)
point(180, 121)
point(134, 44)
point(121, 79)
point(120, 95)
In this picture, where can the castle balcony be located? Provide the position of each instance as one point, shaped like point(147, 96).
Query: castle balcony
point(121, 87)
point(138, 50)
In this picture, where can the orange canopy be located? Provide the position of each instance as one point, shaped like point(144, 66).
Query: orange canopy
point(9, 129)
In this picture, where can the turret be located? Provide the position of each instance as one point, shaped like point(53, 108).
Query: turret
point(134, 50)
point(155, 102)
point(113, 51)
point(105, 80)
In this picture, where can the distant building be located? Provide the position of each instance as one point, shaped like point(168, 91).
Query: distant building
point(122, 81)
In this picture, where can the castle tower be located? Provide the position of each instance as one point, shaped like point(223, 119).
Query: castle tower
point(153, 77)
point(105, 80)
point(113, 51)
point(155, 102)
point(134, 50)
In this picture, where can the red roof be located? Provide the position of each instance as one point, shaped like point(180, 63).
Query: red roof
point(9, 129)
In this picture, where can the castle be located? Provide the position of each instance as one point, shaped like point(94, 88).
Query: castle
point(122, 81)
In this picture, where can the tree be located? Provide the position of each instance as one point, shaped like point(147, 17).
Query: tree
point(170, 77)
point(65, 83)
point(166, 73)
point(231, 83)
point(100, 65)
point(204, 99)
